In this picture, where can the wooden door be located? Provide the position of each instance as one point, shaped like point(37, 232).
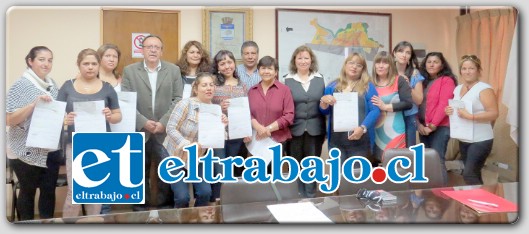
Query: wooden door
point(119, 24)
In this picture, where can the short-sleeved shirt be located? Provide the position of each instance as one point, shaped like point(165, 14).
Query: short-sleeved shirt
point(22, 93)
point(68, 94)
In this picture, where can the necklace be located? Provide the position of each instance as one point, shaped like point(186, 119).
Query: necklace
point(353, 85)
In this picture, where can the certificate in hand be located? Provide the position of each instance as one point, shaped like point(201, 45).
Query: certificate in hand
point(89, 116)
point(261, 148)
point(127, 105)
point(210, 127)
point(462, 129)
point(46, 125)
point(240, 120)
point(345, 112)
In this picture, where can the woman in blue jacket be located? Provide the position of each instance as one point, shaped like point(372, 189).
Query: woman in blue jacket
point(360, 140)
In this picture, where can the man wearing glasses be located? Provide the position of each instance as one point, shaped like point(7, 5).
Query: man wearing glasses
point(159, 87)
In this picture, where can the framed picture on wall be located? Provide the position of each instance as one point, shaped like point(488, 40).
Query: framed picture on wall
point(332, 36)
point(226, 29)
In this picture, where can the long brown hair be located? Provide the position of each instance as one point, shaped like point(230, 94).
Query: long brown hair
point(363, 83)
point(203, 66)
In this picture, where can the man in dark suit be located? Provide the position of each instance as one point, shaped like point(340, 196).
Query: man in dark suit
point(159, 87)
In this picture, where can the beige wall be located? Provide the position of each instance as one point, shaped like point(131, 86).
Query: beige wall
point(67, 30)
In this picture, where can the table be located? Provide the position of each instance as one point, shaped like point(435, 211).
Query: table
point(412, 206)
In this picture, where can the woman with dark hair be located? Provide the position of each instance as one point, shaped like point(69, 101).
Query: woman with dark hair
point(110, 55)
point(308, 130)
point(34, 167)
point(228, 86)
point(474, 152)
point(394, 97)
point(438, 86)
point(194, 59)
point(271, 104)
point(408, 67)
point(86, 87)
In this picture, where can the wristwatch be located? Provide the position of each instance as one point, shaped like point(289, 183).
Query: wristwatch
point(269, 128)
point(364, 127)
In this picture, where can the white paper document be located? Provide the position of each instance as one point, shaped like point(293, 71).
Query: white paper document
point(460, 128)
point(89, 116)
point(260, 148)
point(302, 212)
point(127, 105)
point(46, 125)
point(239, 118)
point(210, 127)
point(187, 91)
point(345, 112)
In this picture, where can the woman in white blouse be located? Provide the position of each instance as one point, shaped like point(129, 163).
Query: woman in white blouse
point(474, 152)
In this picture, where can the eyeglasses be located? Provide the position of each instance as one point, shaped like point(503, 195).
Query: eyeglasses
point(152, 47)
point(357, 65)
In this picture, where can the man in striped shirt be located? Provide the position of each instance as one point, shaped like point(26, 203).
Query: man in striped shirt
point(248, 70)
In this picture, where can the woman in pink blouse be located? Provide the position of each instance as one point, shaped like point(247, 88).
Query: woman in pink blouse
point(438, 86)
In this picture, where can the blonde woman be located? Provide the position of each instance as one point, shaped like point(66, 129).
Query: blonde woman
point(353, 78)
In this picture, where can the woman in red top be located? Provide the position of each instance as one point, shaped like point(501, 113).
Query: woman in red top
point(438, 86)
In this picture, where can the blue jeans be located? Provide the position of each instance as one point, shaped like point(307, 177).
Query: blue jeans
point(181, 191)
point(474, 156)
point(411, 130)
point(231, 148)
point(438, 140)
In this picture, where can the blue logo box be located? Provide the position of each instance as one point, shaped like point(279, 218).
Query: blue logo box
point(108, 168)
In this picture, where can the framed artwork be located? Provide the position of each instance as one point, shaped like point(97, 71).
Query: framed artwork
point(226, 29)
point(332, 36)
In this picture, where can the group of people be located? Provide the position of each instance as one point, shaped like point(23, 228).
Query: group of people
point(399, 98)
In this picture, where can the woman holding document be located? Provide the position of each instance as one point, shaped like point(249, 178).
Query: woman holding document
point(182, 130)
point(394, 97)
point(271, 104)
point(87, 87)
point(308, 129)
point(34, 167)
point(439, 84)
point(474, 152)
point(229, 85)
point(360, 140)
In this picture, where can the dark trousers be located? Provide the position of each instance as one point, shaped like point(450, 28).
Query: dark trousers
point(301, 147)
point(474, 156)
point(32, 177)
point(154, 152)
point(231, 148)
point(438, 140)
point(411, 130)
